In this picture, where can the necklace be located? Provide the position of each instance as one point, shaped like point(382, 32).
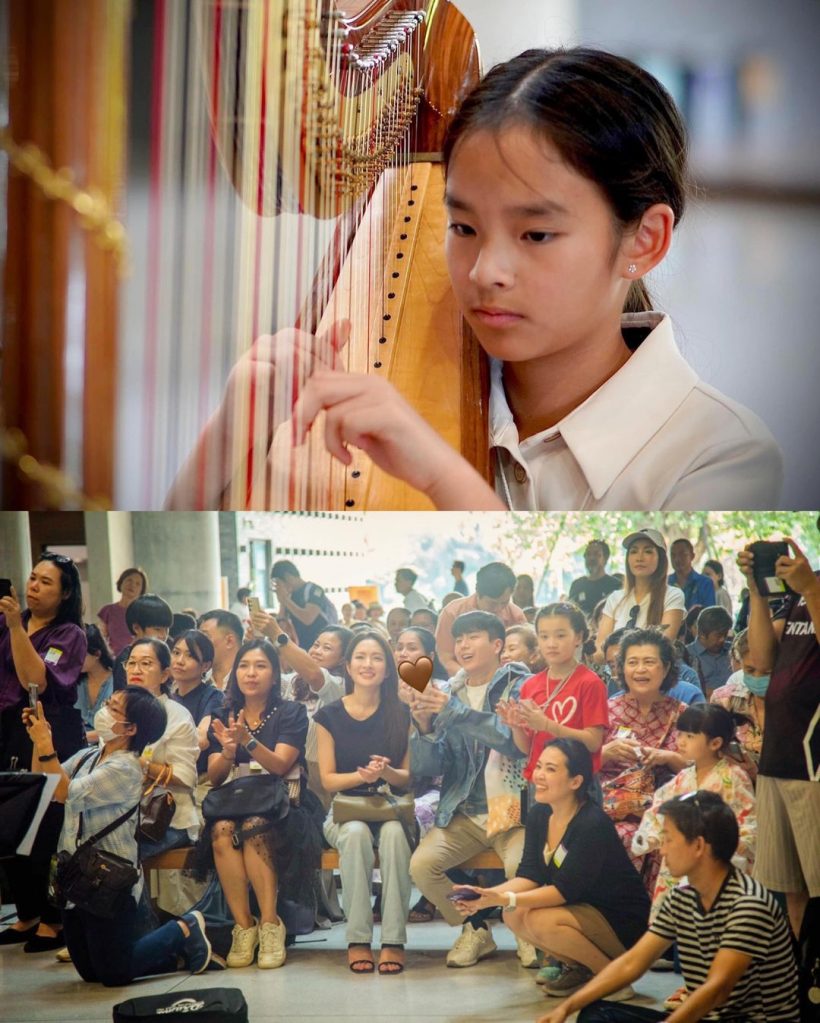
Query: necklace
point(561, 683)
point(261, 722)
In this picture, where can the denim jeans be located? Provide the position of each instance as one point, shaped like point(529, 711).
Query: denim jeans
point(109, 951)
point(617, 1012)
point(174, 838)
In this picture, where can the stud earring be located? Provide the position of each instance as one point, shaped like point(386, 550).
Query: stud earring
point(632, 268)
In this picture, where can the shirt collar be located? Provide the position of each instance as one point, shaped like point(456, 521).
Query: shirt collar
point(607, 431)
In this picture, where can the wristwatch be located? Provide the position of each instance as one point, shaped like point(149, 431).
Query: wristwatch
point(512, 899)
point(283, 639)
point(48, 756)
point(251, 744)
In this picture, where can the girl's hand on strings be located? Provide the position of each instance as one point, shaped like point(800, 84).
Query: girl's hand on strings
point(367, 412)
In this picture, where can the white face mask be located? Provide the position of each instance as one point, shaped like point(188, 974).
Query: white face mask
point(104, 722)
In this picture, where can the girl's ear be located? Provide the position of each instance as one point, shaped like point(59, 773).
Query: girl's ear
point(644, 247)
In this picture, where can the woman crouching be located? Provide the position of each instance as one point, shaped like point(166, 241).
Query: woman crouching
point(576, 895)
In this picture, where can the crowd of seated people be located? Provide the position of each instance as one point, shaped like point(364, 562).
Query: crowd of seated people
point(569, 750)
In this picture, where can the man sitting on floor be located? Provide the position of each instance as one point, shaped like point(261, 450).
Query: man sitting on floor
point(733, 940)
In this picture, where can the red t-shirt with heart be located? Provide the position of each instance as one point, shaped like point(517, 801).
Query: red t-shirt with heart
point(582, 703)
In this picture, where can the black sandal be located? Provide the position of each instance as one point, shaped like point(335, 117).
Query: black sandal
point(398, 967)
point(368, 965)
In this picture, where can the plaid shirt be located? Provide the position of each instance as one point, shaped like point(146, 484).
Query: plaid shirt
point(102, 792)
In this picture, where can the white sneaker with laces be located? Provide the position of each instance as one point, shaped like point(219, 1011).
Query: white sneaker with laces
point(472, 944)
point(527, 953)
point(272, 952)
point(243, 945)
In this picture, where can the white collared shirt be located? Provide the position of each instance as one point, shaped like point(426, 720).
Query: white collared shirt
point(653, 436)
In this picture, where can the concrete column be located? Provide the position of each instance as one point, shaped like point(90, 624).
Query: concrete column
point(180, 553)
point(15, 549)
point(110, 549)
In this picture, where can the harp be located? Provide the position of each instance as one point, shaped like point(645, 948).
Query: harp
point(281, 169)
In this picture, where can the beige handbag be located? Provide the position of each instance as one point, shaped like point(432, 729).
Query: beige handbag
point(378, 808)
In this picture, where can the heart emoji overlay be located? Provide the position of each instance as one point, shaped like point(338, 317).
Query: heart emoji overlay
point(417, 675)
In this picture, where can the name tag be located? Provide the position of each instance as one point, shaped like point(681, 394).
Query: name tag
point(53, 655)
point(623, 733)
point(559, 855)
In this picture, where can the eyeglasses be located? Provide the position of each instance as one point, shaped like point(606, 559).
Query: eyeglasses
point(633, 616)
point(58, 559)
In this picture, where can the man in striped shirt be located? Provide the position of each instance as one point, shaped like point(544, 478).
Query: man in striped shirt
point(734, 943)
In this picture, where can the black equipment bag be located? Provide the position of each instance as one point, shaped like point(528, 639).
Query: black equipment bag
point(204, 1005)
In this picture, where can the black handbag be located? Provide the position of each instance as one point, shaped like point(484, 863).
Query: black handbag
point(93, 879)
point(157, 807)
point(205, 1005)
point(261, 795)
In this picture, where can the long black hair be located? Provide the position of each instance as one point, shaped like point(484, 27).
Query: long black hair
point(71, 606)
point(428, 641)
point(234, 697)
point(396, 713)
point(97, 645)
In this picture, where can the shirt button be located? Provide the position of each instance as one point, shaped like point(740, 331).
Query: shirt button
point(520, 473)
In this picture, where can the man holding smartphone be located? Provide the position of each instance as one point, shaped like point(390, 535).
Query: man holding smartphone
point(788, 783)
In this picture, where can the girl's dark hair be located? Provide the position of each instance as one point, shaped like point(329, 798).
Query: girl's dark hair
point(428, 641)
point(710, 719)
point(579, 761)
point(199, 645)
point(566, 609)
point(657, 585)
point(71, 606)
point(234, 697)
point(717, 568)
point(145, 711)
point(665, 648)
point(134, 570)
point(609, 119)
point(161, 649)
point(97, 645)
point(396, 713)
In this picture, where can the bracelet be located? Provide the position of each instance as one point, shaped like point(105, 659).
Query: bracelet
point(48, 756)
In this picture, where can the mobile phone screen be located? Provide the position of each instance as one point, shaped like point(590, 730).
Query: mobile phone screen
point(463, 895)
point(5, 587)
point(33, 695)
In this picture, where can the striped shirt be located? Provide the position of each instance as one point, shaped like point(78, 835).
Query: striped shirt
point(744, 917)
point(102, 792)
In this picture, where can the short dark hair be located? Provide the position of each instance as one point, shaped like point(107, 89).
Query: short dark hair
point(134, 570)
point(243, 592)
point(425, 611)
point(198, 644)
point(710, 719)
point(280, 569)
point(614, 638)
point(408, 574)
point(97, 645)
point(224, 620)
point(493, 579)
point(145, 711)
point(149, 611)
point(704, 815)
point(182, 622)
point(714, 619)
point(666, 652)
point(686, 540)
point(602, 544)
point(459, 565)
point(479, 621)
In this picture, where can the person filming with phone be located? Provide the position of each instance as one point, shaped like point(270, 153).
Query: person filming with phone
point(788, 789)
point(42, 651)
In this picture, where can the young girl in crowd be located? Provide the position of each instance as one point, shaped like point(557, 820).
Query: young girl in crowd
point(564, 701)
point(566, 175)
point(647, 598)
point(704, 733)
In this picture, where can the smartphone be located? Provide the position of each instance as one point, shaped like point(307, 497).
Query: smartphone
point(33, 696)
point(253, 605)
point(463, 895)
point(5, 587)
point(766, 553)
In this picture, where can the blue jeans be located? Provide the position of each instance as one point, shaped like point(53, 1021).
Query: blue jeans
point(110, 951)
point(174, 838)
point(617, 1012)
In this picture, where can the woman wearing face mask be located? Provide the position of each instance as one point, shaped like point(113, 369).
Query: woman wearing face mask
point(745, 696)
point(44, 645)
point(97, 786)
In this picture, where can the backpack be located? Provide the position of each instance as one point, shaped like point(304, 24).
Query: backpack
point(316, 595)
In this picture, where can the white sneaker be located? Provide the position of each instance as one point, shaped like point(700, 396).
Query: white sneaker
point(272, 953)
point(243, 945)
point(472, 944)
point(527, 953)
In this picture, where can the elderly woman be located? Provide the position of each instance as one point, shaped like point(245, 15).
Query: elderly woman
point(43, 646)
point(641, 730)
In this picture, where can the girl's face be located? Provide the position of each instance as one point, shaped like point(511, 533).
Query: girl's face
point(551, 777)
point(515, 649)
point(367, 665)
point(254, 675)
point(409, 648)
point(642, 558)
point(184, 666)
point(712, 574)
point(698, 748)
point(557, 640)
point(44, 590)
point(326, 650)
point(531, 248)
point(143, 668)
point(644, 671)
